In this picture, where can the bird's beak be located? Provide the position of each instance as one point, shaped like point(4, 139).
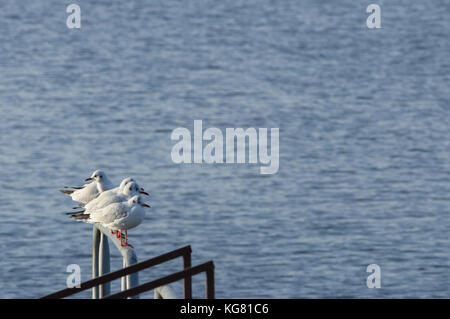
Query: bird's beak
point(145, 205)
point(145, 193)
point(89, 179)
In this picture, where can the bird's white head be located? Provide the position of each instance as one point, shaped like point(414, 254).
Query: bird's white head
point(98, 176)
point(124, 182)
point(136, 200)
point(131, 189)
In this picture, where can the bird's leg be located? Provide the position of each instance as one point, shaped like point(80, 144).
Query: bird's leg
point(119, 235)
point(123, 244)
point(112, 232)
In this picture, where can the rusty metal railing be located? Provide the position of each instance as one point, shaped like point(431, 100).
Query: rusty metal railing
point(186, 274)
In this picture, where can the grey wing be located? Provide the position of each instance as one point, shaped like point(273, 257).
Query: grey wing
point(109, 213)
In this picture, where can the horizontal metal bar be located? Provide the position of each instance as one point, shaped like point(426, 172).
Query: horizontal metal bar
point(189, 272)
point(121, 272)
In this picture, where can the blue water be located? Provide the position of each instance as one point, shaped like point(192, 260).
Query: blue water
point(364, 150)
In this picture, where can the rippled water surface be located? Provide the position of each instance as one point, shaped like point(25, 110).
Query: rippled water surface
point(364, 141)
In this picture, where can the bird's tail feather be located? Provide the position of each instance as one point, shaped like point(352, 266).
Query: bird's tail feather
point(80, 217)
point(80, 212)
point(67, 191)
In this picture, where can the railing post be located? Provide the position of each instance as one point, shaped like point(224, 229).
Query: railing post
point(100, 262)
point(210, 283)
point(123, 280)
point(187, 288)
point(95, 253)
point(129, 258)
point(104, 265)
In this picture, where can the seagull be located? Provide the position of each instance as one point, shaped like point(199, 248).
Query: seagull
point(109, 193)
point(117, 216)
point(89, 191)
point(109, 197)
point(126, 181)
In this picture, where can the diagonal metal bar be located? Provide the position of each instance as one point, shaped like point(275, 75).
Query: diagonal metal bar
point(120, 273)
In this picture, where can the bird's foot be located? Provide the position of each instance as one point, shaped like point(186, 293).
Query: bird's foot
point(125, 236)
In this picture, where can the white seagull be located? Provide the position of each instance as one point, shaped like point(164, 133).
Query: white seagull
point(106, 198)
point(117, 216)
point(109, 193)
point(84, 194)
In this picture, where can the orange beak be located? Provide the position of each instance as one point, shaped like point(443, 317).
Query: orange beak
point(145, 193)
point(145, 205)
point(89, 179)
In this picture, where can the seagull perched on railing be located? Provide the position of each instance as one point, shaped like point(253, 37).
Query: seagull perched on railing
point(109, 197)
point(88, 192)
point(124, 182)
point(117, 216)
point(128, 187)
